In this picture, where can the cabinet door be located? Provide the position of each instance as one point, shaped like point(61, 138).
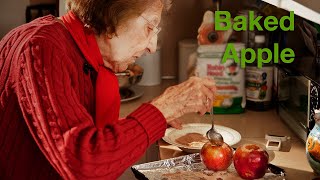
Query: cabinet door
point(311, 4)
point(308, 9)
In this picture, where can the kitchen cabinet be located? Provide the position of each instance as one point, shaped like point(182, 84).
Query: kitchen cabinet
point(312, 4)
point(308, 9)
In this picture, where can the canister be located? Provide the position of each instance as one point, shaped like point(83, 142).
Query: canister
point(228, 75)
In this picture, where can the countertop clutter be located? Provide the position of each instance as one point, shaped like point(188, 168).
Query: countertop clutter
point(253, 126)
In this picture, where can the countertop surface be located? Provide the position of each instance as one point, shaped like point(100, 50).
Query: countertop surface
point(251, 125)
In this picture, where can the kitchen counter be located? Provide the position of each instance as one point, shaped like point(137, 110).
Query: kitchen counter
point(251, 125)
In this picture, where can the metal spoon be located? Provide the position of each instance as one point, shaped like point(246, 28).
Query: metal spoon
point(213, 135)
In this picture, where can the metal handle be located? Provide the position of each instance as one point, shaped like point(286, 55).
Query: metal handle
point(125, 73)
point(211, 116)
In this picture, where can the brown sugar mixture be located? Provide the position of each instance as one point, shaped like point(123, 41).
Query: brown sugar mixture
point(191, 139)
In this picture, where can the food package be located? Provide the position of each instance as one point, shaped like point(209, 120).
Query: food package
point(229, 77)
point(207, 35)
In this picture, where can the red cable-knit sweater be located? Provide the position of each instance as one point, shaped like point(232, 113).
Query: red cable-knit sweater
point(46, 107)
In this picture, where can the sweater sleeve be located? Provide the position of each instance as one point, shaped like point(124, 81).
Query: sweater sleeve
point(63, 129)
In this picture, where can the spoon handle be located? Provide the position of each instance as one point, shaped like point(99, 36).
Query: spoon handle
point(211, 116)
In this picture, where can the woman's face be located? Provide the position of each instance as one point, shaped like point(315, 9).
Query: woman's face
point(134, 37)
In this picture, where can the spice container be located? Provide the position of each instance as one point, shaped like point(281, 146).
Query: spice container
point(259, 82)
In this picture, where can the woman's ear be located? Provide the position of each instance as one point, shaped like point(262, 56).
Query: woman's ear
point(110, 36)
point(110, 33)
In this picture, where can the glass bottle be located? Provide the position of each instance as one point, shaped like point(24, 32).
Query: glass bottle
point(259, 81)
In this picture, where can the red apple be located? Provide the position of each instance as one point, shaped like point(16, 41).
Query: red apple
point(250, 161)
point(215, 157)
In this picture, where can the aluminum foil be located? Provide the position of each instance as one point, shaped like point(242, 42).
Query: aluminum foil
point(192, 163)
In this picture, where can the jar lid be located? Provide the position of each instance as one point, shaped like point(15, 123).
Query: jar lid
point(259, 39)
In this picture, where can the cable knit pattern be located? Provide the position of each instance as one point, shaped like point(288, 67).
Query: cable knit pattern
point(47, 102)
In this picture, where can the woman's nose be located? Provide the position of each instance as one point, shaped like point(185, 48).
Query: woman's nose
point(152, 46)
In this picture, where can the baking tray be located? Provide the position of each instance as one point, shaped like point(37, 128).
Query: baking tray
point(192, 163)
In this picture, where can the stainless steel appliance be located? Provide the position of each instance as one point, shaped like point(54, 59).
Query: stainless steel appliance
point(297, 98)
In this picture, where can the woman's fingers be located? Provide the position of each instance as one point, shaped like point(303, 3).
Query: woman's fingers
point(176, 124)
point(201, 95)
point(209, 96)
point(195, 106)
point(210, 84)
point(194, 95)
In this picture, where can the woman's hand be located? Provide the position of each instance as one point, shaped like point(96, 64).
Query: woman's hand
point(194, 95)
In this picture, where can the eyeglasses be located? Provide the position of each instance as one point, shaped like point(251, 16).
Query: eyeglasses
point(155, 29)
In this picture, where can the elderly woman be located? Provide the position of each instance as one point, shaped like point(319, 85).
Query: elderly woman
point(59, 97)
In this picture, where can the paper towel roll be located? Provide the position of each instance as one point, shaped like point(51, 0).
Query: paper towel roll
point(151, 65)
point(186, 47)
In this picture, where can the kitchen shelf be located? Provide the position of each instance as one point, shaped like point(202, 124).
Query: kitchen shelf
point(308, 9)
